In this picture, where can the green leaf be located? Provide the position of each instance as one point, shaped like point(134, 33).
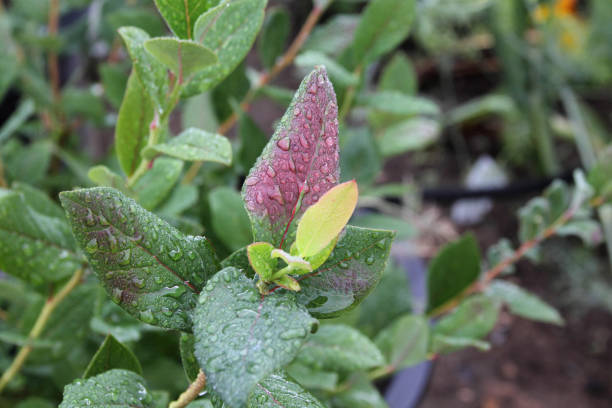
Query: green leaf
point(409, 135)
point(278, 390)
point(340, 348)
point(104, 177)
point(325, 219)
point(151, 74)
point(397, 103)
point(195, 145)
point(183, 197)
point(9, 65)
point(242, 337)
point(181, 15)
point(147, 267)
point(155, 185)
point(390, 300)
point(27, 162)
point(188, 358)
point(35, 240)
point(229, 219)
point(273, 37)
point(111, 355)
point(349, 274)
point(474, 318)
point(478, 108)
point(34, 402)
point(404, 343)
point(114, 80)
point(523, 303)
point(82, 103)
point(260, 258)
point(334, 35)
point(403, 229)
point(361, 394)
point(298, 165)
point(116, 388)
point(398, 75)
point(311, 378)
point(339, 74)
point(18, 118)
point(359, 156)
point(384, 25)
point(589, 231)
point(452, 270)
point(448, 344)
point(132, 130)
point(137, 16)
point(252, 140)
point(231, 45)
point(183, 57)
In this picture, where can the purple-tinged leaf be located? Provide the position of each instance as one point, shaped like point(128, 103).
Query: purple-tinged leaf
point(147, 267)
point(299, 164)
point(349, 274)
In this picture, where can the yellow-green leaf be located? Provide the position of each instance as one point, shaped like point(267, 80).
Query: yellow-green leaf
point(261, 260)
point(323, 221)
point(183, 57)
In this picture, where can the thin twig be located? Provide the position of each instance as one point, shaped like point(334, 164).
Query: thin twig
point(38, 327)
point(283, 62)
point(496, 270)
point(191, 393)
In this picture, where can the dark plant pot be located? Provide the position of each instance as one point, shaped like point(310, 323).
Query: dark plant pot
point(407, 388)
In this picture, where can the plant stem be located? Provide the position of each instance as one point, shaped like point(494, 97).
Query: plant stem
point(38, 327)
point(496, 270)
point(191, 393)
point(283, 62)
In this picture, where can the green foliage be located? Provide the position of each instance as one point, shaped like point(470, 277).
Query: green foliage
point(148, 267)
point(384, 24)
point(182, 15)
point(242, 337)
point(466, 325)
point(183, 57)
point(127, 389)
point(279, 389)
point(228, 30)
point(195, 145)
point(339, 348)
point(36, 243)
point(229, 219)
point(523, 303)
point(156, 184)
point(273, 37)
point(405, 341)
point(112, 355)
point(135, 116)
point(453, 269)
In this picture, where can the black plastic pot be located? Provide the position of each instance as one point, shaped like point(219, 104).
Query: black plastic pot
point(407, 388)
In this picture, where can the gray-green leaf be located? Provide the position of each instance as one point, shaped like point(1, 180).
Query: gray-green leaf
point(151, 73)
point(405, 341)
point(242, 337)
point(229, 218)
point(155, 185)
point(278, 390)
point(114, 388)
point(132, 130)
point(340, 348)
point(384, 25)
point(147, 267)
point(35, 240)
point(349, 274)
point(183, 57)
point(195, 145)
point(523, 303)
point(229, 31)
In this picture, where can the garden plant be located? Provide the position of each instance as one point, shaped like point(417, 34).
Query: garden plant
point(151, 281)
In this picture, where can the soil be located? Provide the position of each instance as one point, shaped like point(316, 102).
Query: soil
point(530, 364)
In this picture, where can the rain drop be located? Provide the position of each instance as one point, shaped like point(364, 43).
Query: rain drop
point(283, 144)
